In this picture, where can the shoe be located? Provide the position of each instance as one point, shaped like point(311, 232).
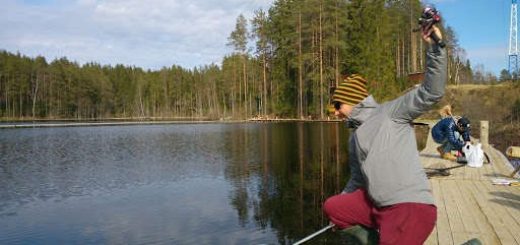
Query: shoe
point(439, 149)
point(449, 156)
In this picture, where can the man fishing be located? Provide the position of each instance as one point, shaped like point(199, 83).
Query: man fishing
point(388, 189)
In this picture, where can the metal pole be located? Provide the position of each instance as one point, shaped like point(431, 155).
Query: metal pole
point(314, 234)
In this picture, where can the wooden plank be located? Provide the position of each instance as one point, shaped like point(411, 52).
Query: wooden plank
point(500, 167)
point(483, 202)
point(490, 236)
point(468, 209)
point(460, 237)
point(485, 230)
point(493, 213)
point(454, 218)
point(481, 172)
point(494, 171)
point(461, 223)
point(469, 206)
point(485, 238)
point(469, 173)
point(504, 208)
point(488, 171)
point(478, 173)
point(472, 173)
point(432, 239)
point(485, 172)
point(443, 226)
point(507, 197)
point(514, 209)
point(440, 234)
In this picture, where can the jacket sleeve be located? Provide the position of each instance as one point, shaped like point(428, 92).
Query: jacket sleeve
point(451, 136)
point(419, 100)
point(356, 176)
point(355, 182)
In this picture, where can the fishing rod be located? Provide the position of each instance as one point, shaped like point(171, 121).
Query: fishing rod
point(309, 237)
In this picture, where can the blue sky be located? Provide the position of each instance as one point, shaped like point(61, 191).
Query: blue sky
point(157, 33)
point(482, 27)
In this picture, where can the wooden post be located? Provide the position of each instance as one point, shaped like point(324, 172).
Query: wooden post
point(484, 133)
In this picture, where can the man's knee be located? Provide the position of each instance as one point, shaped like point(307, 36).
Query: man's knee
point(330, 205)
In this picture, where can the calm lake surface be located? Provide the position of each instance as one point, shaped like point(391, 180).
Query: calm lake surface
point(243, 183)
point(170, 184)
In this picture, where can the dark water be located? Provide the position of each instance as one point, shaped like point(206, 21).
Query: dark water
point(170, 184)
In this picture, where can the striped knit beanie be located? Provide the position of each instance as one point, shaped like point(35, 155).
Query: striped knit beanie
point(351, 91)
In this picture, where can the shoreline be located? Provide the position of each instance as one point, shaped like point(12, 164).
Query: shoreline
point(178, 119)
point(51, 123)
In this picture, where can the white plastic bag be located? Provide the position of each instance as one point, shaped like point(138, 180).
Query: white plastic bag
point(474, 154)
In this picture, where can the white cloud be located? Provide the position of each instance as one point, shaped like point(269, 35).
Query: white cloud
point(149, 34)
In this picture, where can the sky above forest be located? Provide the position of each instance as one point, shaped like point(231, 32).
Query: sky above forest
point(160, 33)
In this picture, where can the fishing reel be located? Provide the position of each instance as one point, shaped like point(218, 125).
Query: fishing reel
point(429, 17)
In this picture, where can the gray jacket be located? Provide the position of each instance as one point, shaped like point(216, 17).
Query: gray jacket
point(383, 154)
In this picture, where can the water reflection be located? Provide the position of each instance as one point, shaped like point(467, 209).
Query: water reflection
point(180, 184)
point(300, 165)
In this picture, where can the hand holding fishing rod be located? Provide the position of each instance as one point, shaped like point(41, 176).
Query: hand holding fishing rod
point(429, 17)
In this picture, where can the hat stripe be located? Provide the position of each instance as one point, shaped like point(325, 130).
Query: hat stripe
point(356, 90)
point(357, 96)
point(358, 99)
point(355, 87)
point(348, 101)
point(358, 79)
point(358, 84)
point(351, 91)
point(356, 76)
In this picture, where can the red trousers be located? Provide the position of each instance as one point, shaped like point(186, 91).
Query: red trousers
point(403, 223)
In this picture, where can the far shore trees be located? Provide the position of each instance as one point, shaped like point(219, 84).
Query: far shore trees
point(285, 62)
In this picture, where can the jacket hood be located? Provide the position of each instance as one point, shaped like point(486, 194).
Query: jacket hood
point(361, 112)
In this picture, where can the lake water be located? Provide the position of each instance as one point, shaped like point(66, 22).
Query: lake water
point(243, 183)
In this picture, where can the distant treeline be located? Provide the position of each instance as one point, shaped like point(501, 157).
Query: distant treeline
point(302, 48)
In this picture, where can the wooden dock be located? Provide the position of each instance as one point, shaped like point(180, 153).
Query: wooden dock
point(468, 204)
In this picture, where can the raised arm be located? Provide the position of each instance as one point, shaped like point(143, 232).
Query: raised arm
point(419, 100)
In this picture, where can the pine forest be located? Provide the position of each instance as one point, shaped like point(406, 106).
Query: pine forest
point(285, 62)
